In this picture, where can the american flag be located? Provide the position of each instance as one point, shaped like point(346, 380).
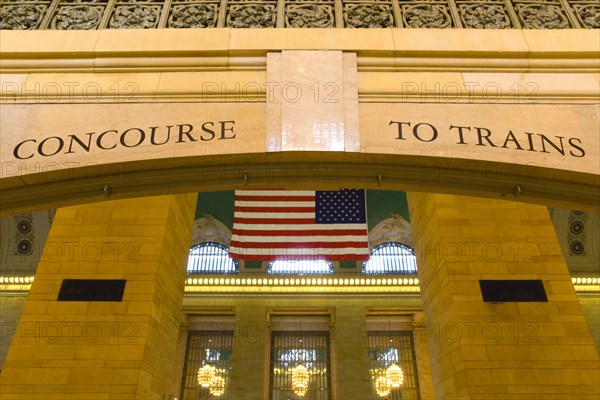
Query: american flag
point(299, 225)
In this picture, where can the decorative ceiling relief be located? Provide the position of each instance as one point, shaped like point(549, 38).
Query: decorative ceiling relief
point(368, 16)
point(542, 16)
point(251, 15)
point(203, 15)
point(355, 14)
point(393, 229)
point(209, 229)
point(309, 16)
point(484, 16)
point(21, 17)
point(83, 17)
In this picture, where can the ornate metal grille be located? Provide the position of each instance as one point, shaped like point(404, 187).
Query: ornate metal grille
point(394, 347)
point(391, 258)
point(288, 349)
point(207, 348)
point(211, 258)
point(150, 14)
point(300, 267)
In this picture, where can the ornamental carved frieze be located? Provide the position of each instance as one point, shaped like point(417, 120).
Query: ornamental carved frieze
point(484, 16)
point(77, 17)
point(589, 15)
point(194, 16)
point(135, 17)
point(21, 17)
point(426, 16)
point(309, 16)
point(251, 16)
point(542, 16)
point(368, 16)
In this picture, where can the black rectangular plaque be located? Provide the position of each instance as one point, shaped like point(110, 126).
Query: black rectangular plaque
point(91, 290)
point(500, 291)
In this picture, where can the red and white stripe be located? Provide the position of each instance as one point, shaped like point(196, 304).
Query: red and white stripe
point(279, 224)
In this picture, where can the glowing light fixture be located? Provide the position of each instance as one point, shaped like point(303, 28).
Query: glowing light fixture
point(395, 376)
point(300, 379)
point(206, 375)
point(217, 387)
point(382, 386)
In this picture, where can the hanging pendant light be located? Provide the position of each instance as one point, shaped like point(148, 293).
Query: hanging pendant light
point(206, 375)
point(300, 375)
point(393, 373)
point(300, 379)
point(217, 387)
point(394, 376)
point(382, 386)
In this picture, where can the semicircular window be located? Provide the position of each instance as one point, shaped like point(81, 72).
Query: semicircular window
point(211, 258)
point(300, 267)
point(391, 258)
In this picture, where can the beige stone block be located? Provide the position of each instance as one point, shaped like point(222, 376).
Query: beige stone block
point(513, 377)
point(557, 83)
point(589, 376)
point(48, 41)
point(313, 39)
point(177, 41)
point(557, 377)
point(565, 41)
point(243, 86)
point(464, 41)
point(54, 376)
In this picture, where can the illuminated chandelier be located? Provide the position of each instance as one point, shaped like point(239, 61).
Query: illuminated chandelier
point(206, 375)
point(217, 387)
point(382, 386)
point(395, 376)
point(300, 375)
point(300, 379)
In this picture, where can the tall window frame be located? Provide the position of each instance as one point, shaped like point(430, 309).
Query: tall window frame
point(388, 347)
point(211, 347)
point(300, 340)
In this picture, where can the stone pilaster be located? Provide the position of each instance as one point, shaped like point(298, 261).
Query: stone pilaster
point(93, 350)
point(506, 351)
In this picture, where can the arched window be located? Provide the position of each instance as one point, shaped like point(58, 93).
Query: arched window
point(211, 258)
point(300, 267)
point(391, 258)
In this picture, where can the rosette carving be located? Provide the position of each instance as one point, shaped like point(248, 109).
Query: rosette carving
point(251, 16)
point(77, 17)
point(134, 17)
point(426, 16)
point(542, 16)
point(194, 16)
point(309, 16)
point(368, 16)
point(21, 17)
point(484, 16)
point(589, 15)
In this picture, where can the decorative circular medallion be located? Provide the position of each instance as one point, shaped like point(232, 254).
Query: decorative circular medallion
point(24, 227)
point(576, 248)
point(24, 247)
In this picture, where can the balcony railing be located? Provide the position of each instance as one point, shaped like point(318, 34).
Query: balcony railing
point(153, 14)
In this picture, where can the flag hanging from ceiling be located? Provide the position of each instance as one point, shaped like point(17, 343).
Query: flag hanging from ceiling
point(298, 225)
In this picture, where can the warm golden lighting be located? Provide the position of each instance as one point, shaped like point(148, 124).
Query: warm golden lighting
point(217, 387)
point(394, 376)
point(382, 386)
point(206, 375)
point(300, 378)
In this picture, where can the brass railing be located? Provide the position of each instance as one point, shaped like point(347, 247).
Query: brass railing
point(152, 14)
